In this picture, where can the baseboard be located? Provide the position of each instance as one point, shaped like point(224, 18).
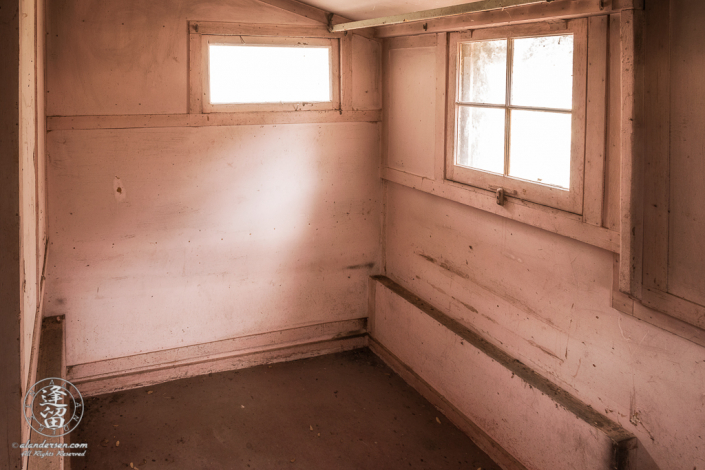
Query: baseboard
point(488, 445)
point(142, 370)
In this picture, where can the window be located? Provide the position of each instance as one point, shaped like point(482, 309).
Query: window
point(518, 109)
point(264, 73)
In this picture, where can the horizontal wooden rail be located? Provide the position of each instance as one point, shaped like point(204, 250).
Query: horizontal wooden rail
point(136, 121)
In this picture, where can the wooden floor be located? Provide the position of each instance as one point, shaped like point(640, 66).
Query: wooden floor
point(342, 411)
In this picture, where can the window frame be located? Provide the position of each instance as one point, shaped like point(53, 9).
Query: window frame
point(332, 43)
point(570, 200)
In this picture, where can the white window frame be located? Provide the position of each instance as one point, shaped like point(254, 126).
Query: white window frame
point(334, 58)
point(205, 33)
point(570, 200)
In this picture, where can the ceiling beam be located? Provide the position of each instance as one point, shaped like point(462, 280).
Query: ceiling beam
point(557, 10)
point(484, 5)
point(315, 14)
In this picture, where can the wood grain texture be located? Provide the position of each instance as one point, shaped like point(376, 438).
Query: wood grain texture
point(189, 235)
point(553, 220)
point(432, 343)
point(316, 14)
point(346, 73)
point(632, 152)
point(403, 42)
point(133, 58)
point(56, 123)
point(686, 257)
point(260, 29)
point(242, 360)
point(367, 74)
point(488, 445)
point(658, 124)
point(195, 69)
point(556, 10)
point(614, 121)
point(441, 115)
point(411, 109)
point(198, 353)
point(596, 122)
point(664, 311)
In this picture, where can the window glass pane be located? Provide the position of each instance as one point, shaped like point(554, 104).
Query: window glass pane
point(269, 74)
point(483, 69)
point(481, 138)
point(540, 147)
point(543, 72)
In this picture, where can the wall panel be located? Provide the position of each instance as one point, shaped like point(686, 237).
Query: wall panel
point(163, 238)
point(411, 109)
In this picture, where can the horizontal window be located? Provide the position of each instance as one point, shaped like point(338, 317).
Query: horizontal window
point(242, 73)
point(270, 73)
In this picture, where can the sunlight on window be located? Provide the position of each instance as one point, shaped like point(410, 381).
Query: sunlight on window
point(241, 74)
point(539, 82)
point(481, 139)
point(543, 72)
point(540, 147)
point(483, 66)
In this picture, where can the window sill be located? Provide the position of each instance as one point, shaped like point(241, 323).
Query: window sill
point(552, 220)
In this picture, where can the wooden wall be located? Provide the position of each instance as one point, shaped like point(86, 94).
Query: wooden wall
point(544, 293)
point(10, 281)
point(166, 237)
point(687, 152)
point(22, 207)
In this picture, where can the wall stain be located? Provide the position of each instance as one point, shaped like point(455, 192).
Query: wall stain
point(508, 298)
point(361, 266)
point(536, 345)
point(445, 265)
point(468, 306)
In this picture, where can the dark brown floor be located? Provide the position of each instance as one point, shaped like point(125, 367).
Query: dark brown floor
point(343, 411)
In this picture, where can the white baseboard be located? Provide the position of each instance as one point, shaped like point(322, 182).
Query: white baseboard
point(142, 370)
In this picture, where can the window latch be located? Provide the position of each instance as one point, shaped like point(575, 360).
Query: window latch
point(500, 196)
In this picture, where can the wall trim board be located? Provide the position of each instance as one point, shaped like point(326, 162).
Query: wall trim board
point(51, 363)
point(145, 121)
point(555, 10)
point(596, 120)
point(38, 328)
point(488, 445)
point(546, 218)
point(632, 153)
point(645, 266)
point(141, 370)
point(559, 395)
point(260, 29)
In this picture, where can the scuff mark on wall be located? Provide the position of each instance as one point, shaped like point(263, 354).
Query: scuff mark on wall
point(536, 345)
point(445, 265)
point(119, 190)
point(369, 265)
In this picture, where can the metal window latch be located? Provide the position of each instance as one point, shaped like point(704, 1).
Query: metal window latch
point(500, 196)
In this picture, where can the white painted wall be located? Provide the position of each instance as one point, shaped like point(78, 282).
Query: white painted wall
point(544, 298)
point(171, 237)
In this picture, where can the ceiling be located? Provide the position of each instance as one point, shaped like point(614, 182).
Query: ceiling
point(366, 9)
